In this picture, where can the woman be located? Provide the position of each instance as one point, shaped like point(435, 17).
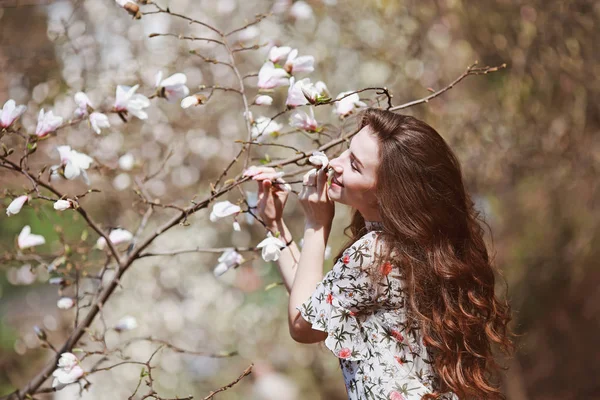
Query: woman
point(409, 306)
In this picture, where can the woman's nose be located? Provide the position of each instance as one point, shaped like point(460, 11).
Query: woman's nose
point(336, 165)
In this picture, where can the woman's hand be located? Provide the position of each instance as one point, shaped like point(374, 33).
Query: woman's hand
point(272, 194)
point(318, 207)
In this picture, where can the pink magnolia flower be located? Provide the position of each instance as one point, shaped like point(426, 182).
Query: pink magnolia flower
point(99, 121)
point(228, 259)
point(223, 209)
point(277, 54)
point(62, 205)
point(116, 236)
point(15, 206)
point(301, 120)
point(73, 162)
point(316, 93)
point(295, 95)
point(47, 122)
point(10, 113)
point(263, 100)
point(127, 100)
point(295, 64)
point(263, 127)
point(270, 77)
point(68, 371)
point(172, 88)
point(27, 239)
point(348, 104)
point(319, 159)
point(83, 104)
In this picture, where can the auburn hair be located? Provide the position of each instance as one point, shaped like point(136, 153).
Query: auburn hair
point(431, 232)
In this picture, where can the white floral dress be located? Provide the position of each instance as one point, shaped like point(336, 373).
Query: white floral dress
point(380, 356)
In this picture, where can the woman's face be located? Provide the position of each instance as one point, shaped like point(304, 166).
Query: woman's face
point(354, 175)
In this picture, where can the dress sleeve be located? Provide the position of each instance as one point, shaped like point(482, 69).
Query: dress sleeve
point(344, 294)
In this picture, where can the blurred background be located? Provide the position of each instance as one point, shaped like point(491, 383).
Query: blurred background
point(527, 138)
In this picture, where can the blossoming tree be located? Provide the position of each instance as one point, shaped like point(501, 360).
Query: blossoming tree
point(88, 277)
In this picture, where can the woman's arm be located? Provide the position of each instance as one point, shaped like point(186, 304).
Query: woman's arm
point(289, 257)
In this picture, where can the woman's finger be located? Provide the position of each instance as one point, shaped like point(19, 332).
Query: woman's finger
point(321, 179)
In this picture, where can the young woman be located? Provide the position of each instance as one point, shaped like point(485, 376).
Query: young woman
point(409, 306)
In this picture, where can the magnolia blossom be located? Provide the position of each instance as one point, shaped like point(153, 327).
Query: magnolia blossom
point(126, 323)
point(99, 121)
point(47, 122)
point(271, 247)
point(347, 104)
point(62, 205)
point(193, 100)
point(173, 88)
point(319, 159)
point(229, 259)
point(264, 127)
point(83, 104)
point(10, 113)
point(277, 54)
point(295, 64)
point(27, 239)
point(223, 209)
point(270, 77)
point(68, 371)
point(236, 226)
point(131, 7)
point(64, 303)
point(263, 100)
point(295, 95)
point(316, 93)
point(15, 206)
point(74, 163)
point(301, 120)
point(116, 236)
point(127, 100)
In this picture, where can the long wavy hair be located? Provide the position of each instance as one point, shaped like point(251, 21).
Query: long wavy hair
point(432, 233)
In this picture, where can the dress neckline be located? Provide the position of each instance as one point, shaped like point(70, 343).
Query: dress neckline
point(374, 225)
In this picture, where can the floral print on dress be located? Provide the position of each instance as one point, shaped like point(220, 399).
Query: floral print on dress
point(381, 357)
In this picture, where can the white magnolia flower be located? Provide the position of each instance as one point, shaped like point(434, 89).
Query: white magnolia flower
point(62, 205)
point(295, 64)
point(173, 88)
point(10, 113)
point(301, 10)
point(263, 100)
point(236, 226)
point(27, 239)
point(116, 236)
point(319, 159)
point(83, 104)
point(277, 54)
point(127, 100)
point(190, 101)
point(348, 104)
point(126, 162)
point(295, 95)
point(229, 259)
point(271, 247)
point(223, 209)
point(301, 120)
point(316, 93)
point(264, 127)
point(326, 254)
point(99, 121)
point(68, 371)
point(15, 206)
point(126, 323)
point(270, 77)
point(74, 163)
point(47, 122)
point(64, 303)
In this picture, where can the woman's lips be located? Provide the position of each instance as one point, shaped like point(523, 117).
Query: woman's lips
point(334, 180)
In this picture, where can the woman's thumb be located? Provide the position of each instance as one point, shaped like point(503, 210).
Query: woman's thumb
point(267, 185)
